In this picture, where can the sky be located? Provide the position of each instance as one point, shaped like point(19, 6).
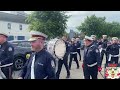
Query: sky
point(77, 17)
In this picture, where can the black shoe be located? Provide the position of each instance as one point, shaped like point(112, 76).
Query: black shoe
point(69, 68)
point(57, 77)
point(77, 67)
point(68, 76)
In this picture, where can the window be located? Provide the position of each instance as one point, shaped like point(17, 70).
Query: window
point(21, 38)
point(9, 25)
point(20, 26)
point(10, 38)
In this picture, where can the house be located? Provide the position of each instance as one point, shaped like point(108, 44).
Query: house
point(14, 25)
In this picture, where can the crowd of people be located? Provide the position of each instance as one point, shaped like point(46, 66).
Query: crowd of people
point(94, 52)
point(42, 65)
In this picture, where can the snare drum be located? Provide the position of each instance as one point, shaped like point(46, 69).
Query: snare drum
point(57, 48)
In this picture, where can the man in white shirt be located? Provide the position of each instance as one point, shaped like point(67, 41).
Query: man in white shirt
point(41, 64)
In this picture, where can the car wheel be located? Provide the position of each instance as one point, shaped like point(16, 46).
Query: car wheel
point(18, 63)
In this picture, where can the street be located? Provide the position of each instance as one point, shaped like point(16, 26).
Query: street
point(78, 73)
point(75, 73)
point(25, 35)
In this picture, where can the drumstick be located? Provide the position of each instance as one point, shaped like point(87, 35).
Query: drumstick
point(101, 75)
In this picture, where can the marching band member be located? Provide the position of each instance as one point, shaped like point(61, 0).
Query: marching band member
point(103, 44)
point(78, 47)
point(113, 51)
point(6, 57)
point(94, 40)
point(91, 60)
point(64, 61)
point(41, 64)
point(73, 53)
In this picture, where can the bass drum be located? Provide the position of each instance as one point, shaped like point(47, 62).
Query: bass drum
point(57, 48)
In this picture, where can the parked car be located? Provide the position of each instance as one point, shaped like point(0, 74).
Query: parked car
point(21, 49)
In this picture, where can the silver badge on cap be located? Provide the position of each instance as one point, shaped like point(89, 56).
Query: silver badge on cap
point(10, 49)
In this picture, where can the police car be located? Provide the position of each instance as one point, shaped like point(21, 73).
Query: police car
point(22, 48)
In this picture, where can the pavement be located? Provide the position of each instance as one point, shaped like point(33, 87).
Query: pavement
point(78, 73)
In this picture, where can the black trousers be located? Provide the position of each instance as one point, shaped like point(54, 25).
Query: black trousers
point(114, 60)
point(7, 72)
point(102, 55)
point(78, 51)
point(60, 63)
point(75, 59)
point(90, 71)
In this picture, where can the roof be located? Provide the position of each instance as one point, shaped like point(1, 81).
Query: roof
point(12, 17)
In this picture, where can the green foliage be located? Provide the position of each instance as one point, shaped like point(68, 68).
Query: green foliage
point(98, 26)
point(52, 23)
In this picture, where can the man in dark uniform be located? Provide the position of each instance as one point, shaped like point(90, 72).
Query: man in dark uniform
point(103, 45)
point(64, 61)
point(78, 44)
point(73, 53)
point(95, 42)
point(6, 57)
point(91, 61)
point(113, 51)
point(41, 64)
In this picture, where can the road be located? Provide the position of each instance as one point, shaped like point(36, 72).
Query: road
point(75, 73)
point(78, 73)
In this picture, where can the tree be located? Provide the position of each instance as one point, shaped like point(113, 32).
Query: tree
point(114, 29)
point(66, 34)
point(52, 23)
point(98, 26)
point(93, 25)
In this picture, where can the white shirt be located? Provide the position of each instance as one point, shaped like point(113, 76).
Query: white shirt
point(32, 68)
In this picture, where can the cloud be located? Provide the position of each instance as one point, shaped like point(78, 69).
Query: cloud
point(78, 17)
